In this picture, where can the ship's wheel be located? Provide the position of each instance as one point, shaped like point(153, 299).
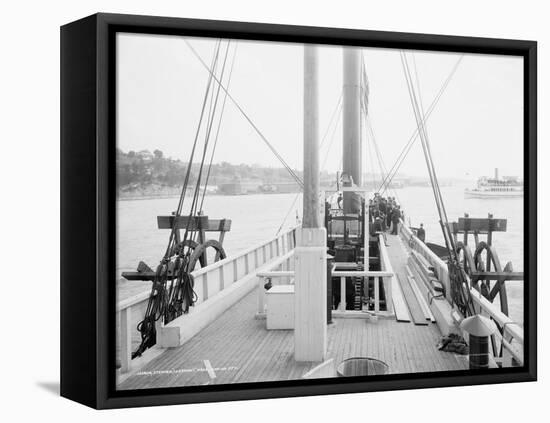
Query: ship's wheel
point(482, 268)
point(184, 258)
point(210, 250)
point(487, 261)
point(465, 258)
point(459, 273)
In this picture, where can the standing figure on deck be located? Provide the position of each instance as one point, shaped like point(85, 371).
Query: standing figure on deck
point(396, 215)
point(421, 233)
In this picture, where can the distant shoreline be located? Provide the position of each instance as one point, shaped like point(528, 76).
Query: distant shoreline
point(146, 197)
point(176, 195)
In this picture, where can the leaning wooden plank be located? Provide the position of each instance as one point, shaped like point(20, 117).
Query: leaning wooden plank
point(415, 310)
point(421, 300)
point(420, 294)
point(417, 274)
point(421, 265)
point(423, 261)
point(440, 308)
point(399, 304)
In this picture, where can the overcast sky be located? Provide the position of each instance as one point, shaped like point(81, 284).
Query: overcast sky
point(477, 125)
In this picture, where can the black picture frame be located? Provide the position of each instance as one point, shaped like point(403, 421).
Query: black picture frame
point(88, 213)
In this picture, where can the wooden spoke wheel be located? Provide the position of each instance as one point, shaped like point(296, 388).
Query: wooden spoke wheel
point(465, 258)
point(486, 260)
point(179, 248)
point(200, 254)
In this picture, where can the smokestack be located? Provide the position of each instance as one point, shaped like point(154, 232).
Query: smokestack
point(352, 121)
point(496, 172)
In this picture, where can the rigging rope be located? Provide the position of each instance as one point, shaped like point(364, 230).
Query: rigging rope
point(408, 145)
point(335, 113)
point(219, 125)
point(248, 119)
point(332, 138)
point(460, 290)
point(169, 302)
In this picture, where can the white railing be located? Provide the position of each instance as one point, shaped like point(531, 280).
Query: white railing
point(440, 267)
point(218, 276)
point(281, 277)
point(388, 281)
point(286, 276)
point(127, 325)
point(209, 281)
point(512, 333)
point(280, 273)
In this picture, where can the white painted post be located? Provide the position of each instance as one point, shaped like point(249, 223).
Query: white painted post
point(310, 295)
point(125, 340)
point(221, 279)
point(310, 288)
point(366, 239)
point(389, 294)
point(261, 296)
point(376, 295)
point(343, 304)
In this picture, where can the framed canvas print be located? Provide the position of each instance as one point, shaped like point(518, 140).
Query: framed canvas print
point(255, 211)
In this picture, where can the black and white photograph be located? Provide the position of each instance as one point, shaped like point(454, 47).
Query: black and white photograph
point(290, 211)
point(275, 211)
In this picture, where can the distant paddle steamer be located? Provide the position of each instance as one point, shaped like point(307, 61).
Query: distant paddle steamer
point(505, 187)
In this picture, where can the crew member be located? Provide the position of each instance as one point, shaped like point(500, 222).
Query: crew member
point(396, 214)
point(379, 229)
point(421, 233)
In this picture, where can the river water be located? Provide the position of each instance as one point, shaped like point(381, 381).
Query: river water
point(258, 217)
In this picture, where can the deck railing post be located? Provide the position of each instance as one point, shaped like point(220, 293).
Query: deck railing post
point(125, 340)
point(342, 306)
point(388, 291)
point(261, 295)
point(377, 294)
point(221, 279)
point(385, 265)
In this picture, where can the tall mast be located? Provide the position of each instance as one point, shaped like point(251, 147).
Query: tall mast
point(351, 121)
point(311, 217)
point(310, 287)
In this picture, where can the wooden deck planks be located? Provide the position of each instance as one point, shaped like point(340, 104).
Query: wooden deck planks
point(248, 352)
point(398, 257)
point(399, 304)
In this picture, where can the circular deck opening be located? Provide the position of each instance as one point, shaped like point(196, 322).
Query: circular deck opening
point(361, 366)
